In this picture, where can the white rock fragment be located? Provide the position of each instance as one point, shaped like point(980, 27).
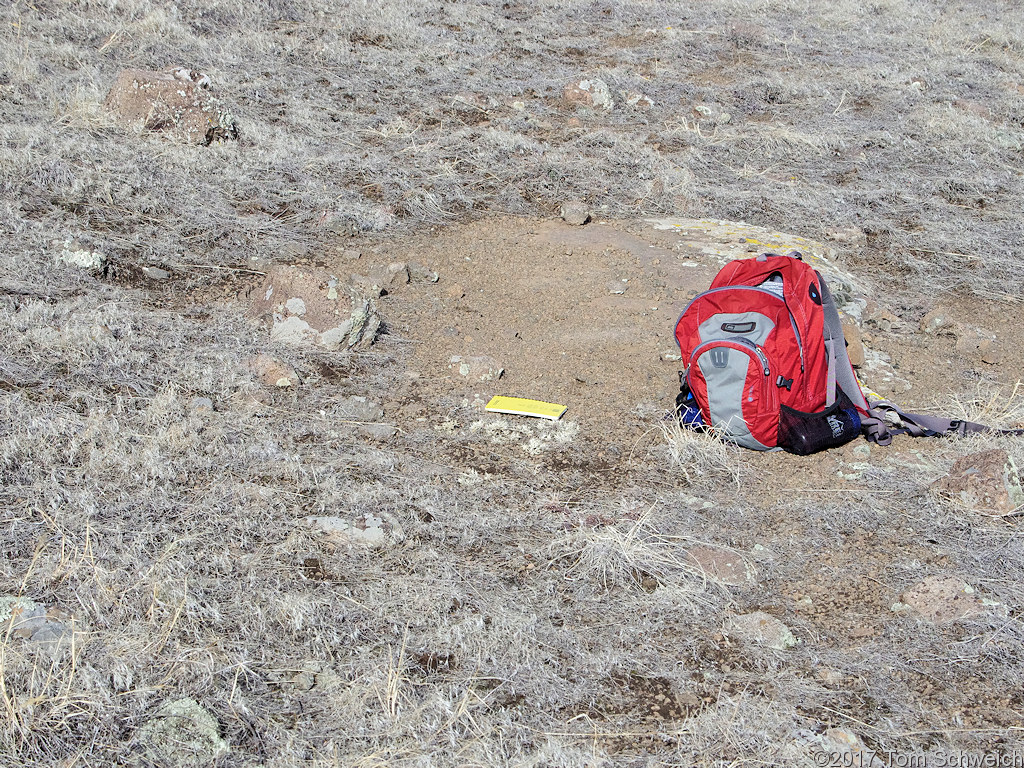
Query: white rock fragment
point(367, 529)
point(71, 253)
point(760, 628)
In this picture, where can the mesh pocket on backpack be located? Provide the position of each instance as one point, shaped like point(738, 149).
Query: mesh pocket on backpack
point(805, 433)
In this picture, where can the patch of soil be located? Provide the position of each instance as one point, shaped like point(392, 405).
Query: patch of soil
point(581, 316)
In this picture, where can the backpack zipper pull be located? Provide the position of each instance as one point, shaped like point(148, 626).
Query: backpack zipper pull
point(764, 360)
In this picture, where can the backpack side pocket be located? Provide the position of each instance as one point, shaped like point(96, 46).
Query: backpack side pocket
point(805, 433)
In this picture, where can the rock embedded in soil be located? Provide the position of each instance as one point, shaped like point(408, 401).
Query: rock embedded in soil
point(48, 629)
point(71, 253)
point(854, 344)
point(478, 368)
point(178, 102)
point(940, 600)
point(155, 273)
point(937, 321)
point(359, 408)
point(977, 344)
point(711, 112)
point(201, 405)
point(760, 628)
point(418, 273)
point(593, 93)
point(986, 482)
point(183, 734)
point(637, 99)
point(721, 565)
point(574, 212)
point(310, 306)
point(367, 529)
point(272, 372)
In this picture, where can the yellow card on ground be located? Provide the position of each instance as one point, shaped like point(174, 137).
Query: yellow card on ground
point(523, 407)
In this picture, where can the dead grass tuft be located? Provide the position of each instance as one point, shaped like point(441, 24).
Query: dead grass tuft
point(998, 407)
point(700, 455)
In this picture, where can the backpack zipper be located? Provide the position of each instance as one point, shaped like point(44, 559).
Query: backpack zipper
point(761, 356)
point(792, 318)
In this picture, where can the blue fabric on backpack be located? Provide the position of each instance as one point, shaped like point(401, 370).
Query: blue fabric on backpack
point(687, 410)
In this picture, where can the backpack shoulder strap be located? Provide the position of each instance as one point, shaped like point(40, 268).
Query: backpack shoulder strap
point(894, 421)
point(880, 419)
point(840, 371)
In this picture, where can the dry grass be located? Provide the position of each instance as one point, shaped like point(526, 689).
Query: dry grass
point(499, 630)
point(701, 455)
point(1000, 408)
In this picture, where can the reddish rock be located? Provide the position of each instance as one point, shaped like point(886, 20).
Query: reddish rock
point(178, 102)
point(937, 321)
point(986, 482)
point(941, 600)
point(480, 368)
point(721, 565)
point(854, 344)
point(591, 93)
point(272, 372)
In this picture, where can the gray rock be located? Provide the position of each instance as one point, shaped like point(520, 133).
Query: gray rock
point(156, 273)
point(617, 287)
point(711, 112)
point(71, 253)
point(358, 408)
point(378, 431)
point(760, 628)
point(575, 212)
point(367, 529)
point(421, 274)
point(182, 734)
point(201, 405)
point(46, 629)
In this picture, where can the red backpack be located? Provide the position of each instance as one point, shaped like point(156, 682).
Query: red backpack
point(766, 362)
point(766, 365)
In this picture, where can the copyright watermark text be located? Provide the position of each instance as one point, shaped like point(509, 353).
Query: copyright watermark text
point(898, 759)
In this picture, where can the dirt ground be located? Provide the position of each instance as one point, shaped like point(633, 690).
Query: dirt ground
point(584, 316)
